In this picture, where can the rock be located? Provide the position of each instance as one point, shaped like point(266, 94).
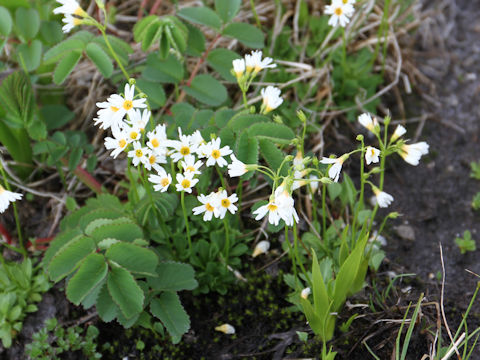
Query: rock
point(406, 232)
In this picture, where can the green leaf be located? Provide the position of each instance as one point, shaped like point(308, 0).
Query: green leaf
point(277, 133)
point(169, 70)
point(30, 54)
point(195, 41)
point(133, 258)
point(202, 16)
point(168, 309)
point(321, 300)
point(27, 22)
point(51, 32)
point(247, 34)
point(5, 21)
point(122, 229)
point(67, 258)
point(16, 98)
point(56, 116)
point(90, 273)
point(227, 9)
point(239, 123)
point(106, 307)
point(55, 53)
point(173, 276)
point(221, 61)
point(273, 156)
point(207, 90)
point(75, 157)
point(247, 148)
point(125, 292)
point(100, 59)
point(66, 66)
point(60, 240)
point(156, 94)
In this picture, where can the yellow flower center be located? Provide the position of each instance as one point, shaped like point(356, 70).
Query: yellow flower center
point(216, 154)
point(133, 135)
point(185, 183)
point(79, 11)
point(128, 104)
point(226, 203)
point(138, 153)
point(373, 152)
point(77, 22)
point(2, 190)
point(185, 150)
point(164, 182)
point(345, 1)
point(122, 143)
point(114, 108)
point(338, 11)
point(190, 168)
point(155, 143)
point(209, 207)
point(272, 207)
point(152, 159)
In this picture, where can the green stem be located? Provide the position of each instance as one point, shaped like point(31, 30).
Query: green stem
point(132, 180)
point(15, 213)
point(324, 213)
point(227, 239)
point(292, 255)
point(239, 195)
point(297, 254)
point(244, 96)
point(255, 15)
point(359, 204)
point(114, 54)
point(182, 199)
point(224, 184)
point(13, 248)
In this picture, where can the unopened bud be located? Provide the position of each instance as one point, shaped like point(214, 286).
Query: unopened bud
point(301, 116)
point(278, 119)
point(261, 248)
point(226, 329)
point(132, 81)
point(305, 293)
point(360, 137)
point(393, 215)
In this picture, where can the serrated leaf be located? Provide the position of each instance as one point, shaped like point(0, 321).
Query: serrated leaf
point(66, 66)
point(91, 272)
point(122, 229)
point(168, 309)
point(106, 307)
point(133, 258)
point(106, 243)
point(201, 15)
point(27, 22)
point(91, 298)
point(5, 21)
point(100, 59)
point(125, 292)
point(277, 133)
point(60, 240)
point(207, 90)
point(68, 257)
point(221, 61)
point(173, 276)
point(227, 9)
point(247, 34)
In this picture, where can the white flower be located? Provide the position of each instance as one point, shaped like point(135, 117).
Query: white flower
point(182, 147)
point(226, 203)
point(157, 139)
point(236, 168)
point(154, 159)
point(239, 67)
point(313, 184)
point(139, 119)
point(118, 143)
point(185, 182)
point(305, 292)
point(189, 165)
point(371, 155)
point(226, 329)
point(163, 180)
point(371, 124)
point(133, 133)
point(215, 154)
point(351, 2)
point(107, 116)
point(383, 199)
point(340, 13)
point(198, 140)
point(261, 248)
point(255, 63)
point(336, 168)
point(7, 197)
point(69, 7)
point(273, 212)
point(286, 206)
point(125, 104)
point(138, 154)
point(399, 131)
point(413, 152)
point(271, 98)
point(70, 23)
point(209, 208)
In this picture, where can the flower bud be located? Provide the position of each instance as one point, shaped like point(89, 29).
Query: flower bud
point(360, 137)
point(305, 293)
point(226, 329)
point(261, 248)
point(301, 116)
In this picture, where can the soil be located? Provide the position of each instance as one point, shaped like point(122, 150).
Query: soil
point(434, 199)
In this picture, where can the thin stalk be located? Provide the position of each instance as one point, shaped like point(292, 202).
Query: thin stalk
point(244, 96)
point(297, 254)
point(239, 195)
point(114, 54)
point(222, 180)
point(182, 199)
point(292, 255)
point(132, 182)
point(227, 239)
point(324, 212)
point(255, 15)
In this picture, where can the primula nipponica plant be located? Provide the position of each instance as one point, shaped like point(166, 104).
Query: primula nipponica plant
point(186, 171)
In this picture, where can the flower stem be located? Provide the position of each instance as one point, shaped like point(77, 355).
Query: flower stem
point(114, 54)
point(292, 255)
point(324, 213)
point(255, 15)
point(244, 96)
point(227, 239)
point(182, 199)
point(297, 254)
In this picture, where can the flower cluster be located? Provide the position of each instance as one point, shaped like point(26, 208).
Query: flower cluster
point(341, 11)
point(73, 14)
point(245, 71)
point(216, 204)
point(281, 206)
